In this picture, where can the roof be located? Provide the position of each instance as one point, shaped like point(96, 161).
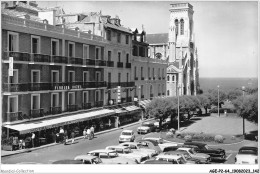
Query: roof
point(15, 13)
point(157, 38)
point(101, 151)
point(108, 25)
point(88, 157)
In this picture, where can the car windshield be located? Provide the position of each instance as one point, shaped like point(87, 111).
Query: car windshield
point(181, 161)
point(113, 154)
point(247, 151)
point(186, 155)
point(96, 161)
point(206, 147)
point(191, 151)
point(126, 133)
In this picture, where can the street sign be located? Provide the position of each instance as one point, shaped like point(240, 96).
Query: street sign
point(11, 65)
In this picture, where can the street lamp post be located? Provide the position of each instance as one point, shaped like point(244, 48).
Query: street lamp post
point(243, 89)
point(178, 107)
point(218, 101)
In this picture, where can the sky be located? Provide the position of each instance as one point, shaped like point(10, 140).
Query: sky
point(226, 32)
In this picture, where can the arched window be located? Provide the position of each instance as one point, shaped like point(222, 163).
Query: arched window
point(168, 92)
point(168, 78)
point(182, 27)
point(173, 78)
point(176, 25)
point(151, 89)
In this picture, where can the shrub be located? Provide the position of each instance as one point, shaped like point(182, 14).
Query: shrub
point(219, 138)
point(178, 133)
point(169, 134)
point(172, 130)
point(198, 137)
point(188, 138)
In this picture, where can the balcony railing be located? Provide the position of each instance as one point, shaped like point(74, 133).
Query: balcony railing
point(39, 58)
point(15, 87)
point(122, 84)
point(94, 84)
point(142, 96)
point(150, 78)
point(128, 99)
point(86, 105)
point(101, 63)
point(36, 113)
point(151, 95)
point(89, 62)
point(136, 78)
point(159, 78)
point(99, 104)
point(55, 110)
point(110, 63)
point(72, 108)
point(59, 59)
point(153, 78)
point(38, 86)
point(75, 60)
point(159, 94)
point(120, 64)
point(17, 56)
point(142, 78)
point(128, 65)
point(14, 116)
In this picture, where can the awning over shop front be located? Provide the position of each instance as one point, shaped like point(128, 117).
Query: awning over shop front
point(132, 108)
point(38, 125)
point(121, 111)
point(144, 103)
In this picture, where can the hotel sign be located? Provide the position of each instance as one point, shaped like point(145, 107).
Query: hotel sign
point(65, 87)
point(11, 65)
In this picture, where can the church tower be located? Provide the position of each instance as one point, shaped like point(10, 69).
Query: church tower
point(181, 50)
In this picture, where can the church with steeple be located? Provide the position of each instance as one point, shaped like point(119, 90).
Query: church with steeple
point(179, 49)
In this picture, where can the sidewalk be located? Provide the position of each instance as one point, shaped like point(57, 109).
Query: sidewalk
point(9, 153)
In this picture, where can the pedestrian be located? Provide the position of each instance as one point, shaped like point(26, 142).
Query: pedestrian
point(65, 138)
point(85, 133)
point(61, 134)
point(92, 131)
point(53, 137)
point(88, 133)
point(33, 138)
point(72, 136)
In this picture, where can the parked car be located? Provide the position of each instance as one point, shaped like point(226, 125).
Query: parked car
point(128, 153)
point(186, 156)
point(215, 153)
point(247, 155)
point(139, 147)
point(156, 162)
point(111, 157)
point(204, 158)
point(162, 143)
point(126, 136)
point(174, 159)
point(88, 159)
point(67, 161)
point(150, 144)
point(146, 128)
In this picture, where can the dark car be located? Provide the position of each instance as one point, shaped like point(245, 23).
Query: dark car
point(186, 156)
point(150, 125)
point(215, 153)
point(67, 161)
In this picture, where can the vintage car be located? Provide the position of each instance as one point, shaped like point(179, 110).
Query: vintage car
point(174, 159)
point(186, 156)
point(156, 162)
point(126, 136)
point(140, 148)
point(215, 153)
point(88, 159)
point(111, 157)
point(129, 153)
point(146, 127)
point(162, 143)
point(204, 158)
point(247, 155)
point(150, 144)
point(67, 161)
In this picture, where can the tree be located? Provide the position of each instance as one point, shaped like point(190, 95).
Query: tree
point(204, 102)
point(234, 94)
point(213, 96)
point(247, 107)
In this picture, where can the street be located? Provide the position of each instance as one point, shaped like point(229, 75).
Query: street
point(82, 146)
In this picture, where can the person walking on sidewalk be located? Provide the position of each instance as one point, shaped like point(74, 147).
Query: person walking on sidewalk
point(33, 138)
point(88, 133)
point(92, 131)
point(72, 137)
point(85, 133)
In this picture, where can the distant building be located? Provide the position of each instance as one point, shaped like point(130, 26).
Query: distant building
point(178, 48)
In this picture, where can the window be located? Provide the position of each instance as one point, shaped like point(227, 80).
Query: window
point(85, 76)
point(159, 88)
point(119, 37)
point(12, 104)
point(35, 101)
point(127, 58)
point(119, 78)
point(35, 76)
point(159, 71)
point(85, 51)
point(135, 71)
point(35, 40)
point(173, 77)
point(177, 26)
point(149, 72)
point(142, 89)
point(71, 76)
point(85, 96)
point(13, 41)
point(98, 76)
point(14, 78)
point(168, 92)
point(71, 49)
point(126, 39)
point(54, 76)
point(151, 89)
point(168, 78)
point(109, 77)
point(127, 77)
point(109, 55)
point(55, 99)
point(142, 75)
point(153, 72)
point(71, 98)
point(54, 47)
point(109, 35)
point(97, 96)
point(98, 53)
point(182, 27)
point(119, 56)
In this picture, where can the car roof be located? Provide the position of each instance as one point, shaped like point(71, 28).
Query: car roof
point(127, 131)
point(184, 148)
point(102, 151)
point(195, 143)
point(117, 146)
point(176, 152)
point(67, 161)
point(150, 141)
point(85, 157)
point(134, 143)
point(248, 148)
point(157, 162)
point(168, 156)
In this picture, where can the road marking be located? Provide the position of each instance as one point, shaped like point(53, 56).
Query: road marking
point(228, 156)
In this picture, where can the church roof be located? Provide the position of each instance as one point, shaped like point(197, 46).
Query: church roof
point(157, 38)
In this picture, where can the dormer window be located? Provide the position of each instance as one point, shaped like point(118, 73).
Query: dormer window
point(182, 26)
point(176, 25)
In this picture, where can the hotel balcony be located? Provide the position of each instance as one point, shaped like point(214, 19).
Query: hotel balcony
point(128, 99)
point(120, 64)
point(39, 58)
point(142, 78)
point(86, 106)
point(89, 62)
point(151, 95)
point(150, 78)
point(59, 59)
point(36, 113)
point(101, 63)
point(110, 63)
point(128, 65)
point(122, 84)
point(159, 94)
point(17, 56)
point(75, 60)
point(55, 110)
point(99, 104)
point(71, 108)
point(159, 78)
point(14, 116)
point(38, 86)
point(153, 78)
point(142, 96)
point(15, 87)
point(136, 78)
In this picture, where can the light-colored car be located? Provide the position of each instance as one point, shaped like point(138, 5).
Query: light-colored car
point(204, 158)
point(247, 155)
point(129, 153)
point(140, 148)
point(163, 143)
point(126, 136)
point(146, 127)
point(174, 159)
point(186, 156)
point(88, 159)
point(111, 157)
